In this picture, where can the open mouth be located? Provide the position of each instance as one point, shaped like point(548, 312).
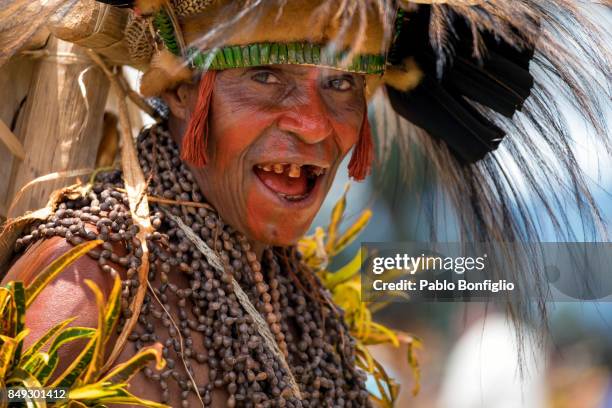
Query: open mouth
point(290, 181)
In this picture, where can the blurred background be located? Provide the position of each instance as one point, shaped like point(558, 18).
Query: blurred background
point(470, 356)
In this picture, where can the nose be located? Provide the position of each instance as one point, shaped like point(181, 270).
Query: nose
point(308, 120)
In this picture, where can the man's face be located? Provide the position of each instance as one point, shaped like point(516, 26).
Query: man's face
point(277, 136)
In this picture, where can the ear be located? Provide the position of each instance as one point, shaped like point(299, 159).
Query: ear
point(181, 100)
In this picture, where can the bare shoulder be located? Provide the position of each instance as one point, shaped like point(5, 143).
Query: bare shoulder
point(65, 297)
point(68, 296)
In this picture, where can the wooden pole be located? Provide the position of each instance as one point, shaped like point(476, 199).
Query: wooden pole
point(61, 123)
point(15, 78)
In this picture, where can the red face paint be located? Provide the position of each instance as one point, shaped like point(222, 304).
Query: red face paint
point(277, 136)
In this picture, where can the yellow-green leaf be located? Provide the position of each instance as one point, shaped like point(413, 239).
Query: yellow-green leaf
point(34, 348)
point(69, 377)
point(336, 217)
point(352, 232)
point(9, 312)
point(106, 393)
point(56, 267)
point(22, 379)
point(389, 335)
point(35, 363)
point(98, 355)
point(364, 353)
point(67, 335)
point(6, 297)
point(113, 308)
point(10, 355)
point(76, 404)
point(7, 351)
point(345, 273)
point(391, 387)
point(95, 391)
point(413, 362)
point(122, 373)
point(3, 401)
point(19, 296)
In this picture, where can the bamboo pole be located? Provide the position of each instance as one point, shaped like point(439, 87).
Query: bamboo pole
point(15, 77)
point(61, 123)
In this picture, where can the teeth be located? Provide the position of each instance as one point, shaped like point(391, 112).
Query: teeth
point(294, 171)
point(293, 197)
point(317, 171)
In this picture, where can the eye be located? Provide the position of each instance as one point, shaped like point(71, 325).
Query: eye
point(265, 77)
point(344, 83)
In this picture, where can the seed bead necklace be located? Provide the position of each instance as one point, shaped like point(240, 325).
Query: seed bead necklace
point(192, 309)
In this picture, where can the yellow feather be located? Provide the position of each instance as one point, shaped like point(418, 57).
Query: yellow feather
point(404, 78)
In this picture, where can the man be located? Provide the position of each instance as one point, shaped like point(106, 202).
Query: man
point(253, 140)
point(268, 171)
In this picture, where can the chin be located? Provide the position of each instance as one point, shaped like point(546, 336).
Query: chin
point(279, 234)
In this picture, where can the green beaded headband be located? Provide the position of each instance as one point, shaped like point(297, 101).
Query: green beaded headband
point(258, 54)
point(301, 53)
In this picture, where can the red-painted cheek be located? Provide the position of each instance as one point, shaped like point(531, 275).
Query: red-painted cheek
point(235, 138)
point(346, 136)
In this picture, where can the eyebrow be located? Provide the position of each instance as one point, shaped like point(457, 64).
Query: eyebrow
point(300, 71)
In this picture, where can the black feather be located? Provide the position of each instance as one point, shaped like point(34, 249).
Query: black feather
point(499, 80)
point(448, 117)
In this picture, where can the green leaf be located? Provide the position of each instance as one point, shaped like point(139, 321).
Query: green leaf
point(389, 335)
point(3, 401)
point(106, 393)
point(345, 273)
point(413, 362)
point(97, 360)
point(122, 373)
point(55, 268)
point(76, 404)
point(390, 386)
point(336, 217)
point(94, 392)
point(74, 371)
point(9, 318)
point(22, 379)
point(34, 348)
point(35, 363)
point(7, 353)
point(6, 303)
point(353, 232)
point(113, 309)
point(67, 335)
point(19, 295)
